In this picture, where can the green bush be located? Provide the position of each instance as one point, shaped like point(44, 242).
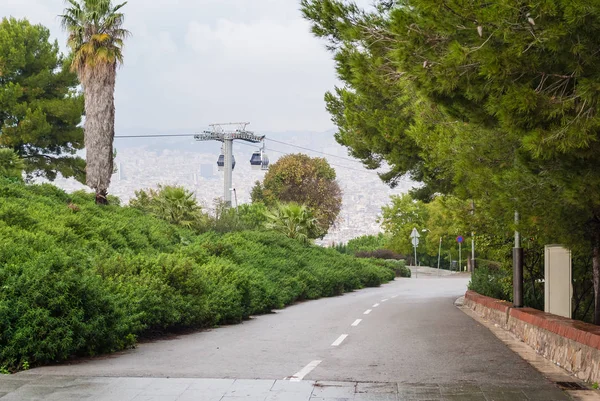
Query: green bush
point(492, 282)
point(397, 266)
point(78, 279)
point(367, 243)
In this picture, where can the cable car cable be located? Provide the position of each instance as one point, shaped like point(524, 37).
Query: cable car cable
point(270, 149)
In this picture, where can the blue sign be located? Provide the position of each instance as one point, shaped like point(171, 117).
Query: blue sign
point(459, 239)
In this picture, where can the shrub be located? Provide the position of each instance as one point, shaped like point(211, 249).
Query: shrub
point(397, 266)
point(380, 254)
point(244, 217)
point(78, 279)
point(367, 243)
point(173, 204)
point(52, 307)
point(495, 283)
point(11, 165)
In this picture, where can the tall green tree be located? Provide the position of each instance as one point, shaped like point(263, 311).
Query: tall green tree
point(40, 106)
point(399, 219)
point(310, 181)
point(96, 38)
point(519, 75)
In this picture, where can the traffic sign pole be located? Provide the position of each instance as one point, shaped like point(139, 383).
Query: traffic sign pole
point(459, 257)
point(439, 255)
point(416, 266)
point(414, 235)
point(459, 239)
point(472, 251)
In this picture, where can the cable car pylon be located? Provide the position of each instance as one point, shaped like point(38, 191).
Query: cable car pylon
point(227, 133)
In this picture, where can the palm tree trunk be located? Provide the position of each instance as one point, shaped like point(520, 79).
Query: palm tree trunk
point(99, 87)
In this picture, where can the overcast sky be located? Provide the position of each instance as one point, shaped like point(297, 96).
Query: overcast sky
point(193, 62)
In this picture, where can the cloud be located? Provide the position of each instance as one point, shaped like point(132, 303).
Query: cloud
point(193, 62)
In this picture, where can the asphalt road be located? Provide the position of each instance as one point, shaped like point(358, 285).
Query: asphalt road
point(412, 334)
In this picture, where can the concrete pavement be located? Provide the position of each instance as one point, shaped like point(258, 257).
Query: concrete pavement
point(403, 341)
point(58, 388)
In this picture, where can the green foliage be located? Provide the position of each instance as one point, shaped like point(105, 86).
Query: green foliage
point(398, 266)
point(176, 205)
point(293, 220)
point(81, 280)
point(380, 254)
point(494, 279)
point(367, 243)
point(400, 218)
point(306, 181)
point(96, 33)
point(11, 165)
point(485, 101)
point(40, 108)
point(244, 217)
point(495, 283)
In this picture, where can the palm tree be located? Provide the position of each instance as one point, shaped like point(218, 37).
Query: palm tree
point(96, 40)
point(293, 220)
point(177, 205)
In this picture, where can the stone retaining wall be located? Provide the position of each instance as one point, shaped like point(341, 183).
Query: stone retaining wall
point(571, 344)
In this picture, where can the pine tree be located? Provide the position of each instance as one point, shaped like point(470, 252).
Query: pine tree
point(500, 99)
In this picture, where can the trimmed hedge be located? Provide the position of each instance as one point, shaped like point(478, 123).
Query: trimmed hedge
point(79, 279)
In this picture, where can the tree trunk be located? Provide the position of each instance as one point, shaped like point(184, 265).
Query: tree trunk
point(99, 129)
point(596, 275)
point(101, 197)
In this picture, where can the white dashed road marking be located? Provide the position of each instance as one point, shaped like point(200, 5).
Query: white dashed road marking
point(375, 305)
point(305, 370)
point(339, 340)
point(367, 311)
point(356, 322)
point(383, 300)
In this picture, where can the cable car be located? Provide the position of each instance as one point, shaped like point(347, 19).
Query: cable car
point(256, 160)
point(221, 162)
point(259, 160)
point(265, 162)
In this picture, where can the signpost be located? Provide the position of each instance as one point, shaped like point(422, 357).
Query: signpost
point(414, 236)
point(439, 255)
point(460, 240)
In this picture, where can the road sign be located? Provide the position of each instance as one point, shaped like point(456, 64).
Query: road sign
point(460, 239)
point(414, 238)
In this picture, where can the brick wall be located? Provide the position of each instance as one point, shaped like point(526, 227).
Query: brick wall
point(571, 344)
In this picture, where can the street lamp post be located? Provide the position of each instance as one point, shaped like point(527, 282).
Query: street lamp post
point(517, 268)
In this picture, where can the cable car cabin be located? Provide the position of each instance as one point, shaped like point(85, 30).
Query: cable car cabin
point(256, 160)
point(221, 162)
point(265, 162)
point(259, 161)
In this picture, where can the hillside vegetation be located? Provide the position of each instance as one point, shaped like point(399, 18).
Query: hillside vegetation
point(78, 279)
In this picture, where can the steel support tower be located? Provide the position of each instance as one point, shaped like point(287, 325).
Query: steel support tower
point(227, 133)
